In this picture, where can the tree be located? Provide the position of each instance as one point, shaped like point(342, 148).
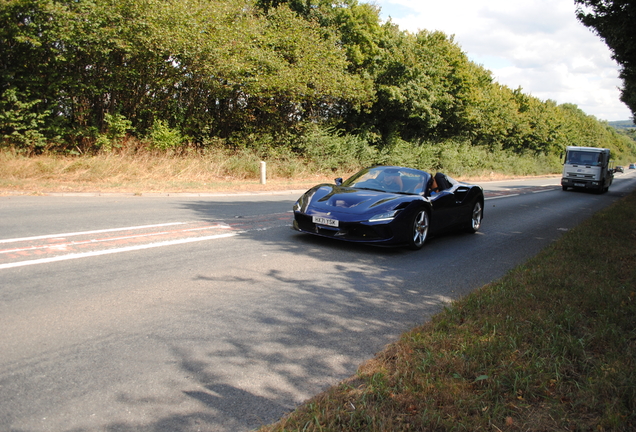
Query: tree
point(209, 68)
point(613, 21)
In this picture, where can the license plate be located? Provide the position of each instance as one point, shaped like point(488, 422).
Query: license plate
point(325, 221)
point(579, 184)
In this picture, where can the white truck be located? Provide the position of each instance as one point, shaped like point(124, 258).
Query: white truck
point(587, 168)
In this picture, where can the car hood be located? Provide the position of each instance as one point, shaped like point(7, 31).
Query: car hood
point(333, 199)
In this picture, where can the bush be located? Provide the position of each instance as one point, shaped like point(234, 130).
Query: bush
point(330, 149)
point(162, 137)
point(117, 126)
point(20, 124)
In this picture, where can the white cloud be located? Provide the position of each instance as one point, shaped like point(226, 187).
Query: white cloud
point(537, 45)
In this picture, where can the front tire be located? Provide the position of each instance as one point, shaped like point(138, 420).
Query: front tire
point(476, 216)
point(419, 230)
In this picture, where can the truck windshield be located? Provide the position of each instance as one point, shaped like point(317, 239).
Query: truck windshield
point(578, 157)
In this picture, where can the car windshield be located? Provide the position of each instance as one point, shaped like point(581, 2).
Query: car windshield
point(390, 179)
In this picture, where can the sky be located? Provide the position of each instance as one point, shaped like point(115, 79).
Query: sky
point(537, 45)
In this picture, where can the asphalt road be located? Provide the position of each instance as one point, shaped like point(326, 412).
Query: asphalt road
point(188, 313)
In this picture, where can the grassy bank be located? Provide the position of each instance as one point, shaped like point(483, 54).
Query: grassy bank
point(135, 169)
point(551, 346)
point(150, 172)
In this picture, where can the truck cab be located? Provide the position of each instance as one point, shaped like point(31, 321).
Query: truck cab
point(587, 168)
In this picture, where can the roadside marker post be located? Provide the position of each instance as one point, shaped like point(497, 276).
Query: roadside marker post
point(263, 173)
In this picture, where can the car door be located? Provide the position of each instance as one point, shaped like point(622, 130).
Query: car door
point(463, 203)
point(444, 207)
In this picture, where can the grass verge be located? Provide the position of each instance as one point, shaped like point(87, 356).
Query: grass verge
point(135, 170)
point(550, 346)
point(151, 172)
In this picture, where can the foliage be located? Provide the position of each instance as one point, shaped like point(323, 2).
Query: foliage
point(629, 133)
point(117, 126)
point(336, 151)
point(210, 67)
point(141, 166)
point(613, 21)
point(283, 77)
point(20, 123)
point(623, 124)
point(583, 130)
point(162, 137)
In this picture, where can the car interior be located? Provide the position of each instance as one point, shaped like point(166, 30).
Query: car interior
point(442, 182)
point(438, 183)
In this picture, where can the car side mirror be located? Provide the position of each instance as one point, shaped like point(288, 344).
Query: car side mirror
point(338, 181)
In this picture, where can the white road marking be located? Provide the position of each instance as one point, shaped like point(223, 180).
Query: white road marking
point(502, 196)
point(219, 226)
point(62, 246)
point(88, 232)
point(111, 251)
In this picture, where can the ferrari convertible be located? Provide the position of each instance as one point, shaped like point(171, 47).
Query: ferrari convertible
point(389, 206)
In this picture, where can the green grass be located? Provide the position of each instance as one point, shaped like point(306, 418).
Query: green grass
point(550, 346)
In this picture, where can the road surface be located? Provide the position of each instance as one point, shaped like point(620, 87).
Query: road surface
point(188, 313)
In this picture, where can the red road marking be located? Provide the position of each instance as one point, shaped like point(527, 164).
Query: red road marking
point(52, 246)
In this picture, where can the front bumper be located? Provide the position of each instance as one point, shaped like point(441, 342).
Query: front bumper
point(581, 183)
point(363, 232)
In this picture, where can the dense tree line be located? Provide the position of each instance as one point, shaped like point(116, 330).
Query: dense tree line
point(78, 75)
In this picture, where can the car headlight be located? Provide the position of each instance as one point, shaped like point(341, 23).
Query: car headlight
point(297, 206)
point(386, 216)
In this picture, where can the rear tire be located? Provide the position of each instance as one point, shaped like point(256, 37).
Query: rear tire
point(419, 230)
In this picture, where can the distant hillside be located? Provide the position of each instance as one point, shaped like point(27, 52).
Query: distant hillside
point(622, 124)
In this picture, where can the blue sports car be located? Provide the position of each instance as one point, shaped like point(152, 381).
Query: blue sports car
point(389, 205)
